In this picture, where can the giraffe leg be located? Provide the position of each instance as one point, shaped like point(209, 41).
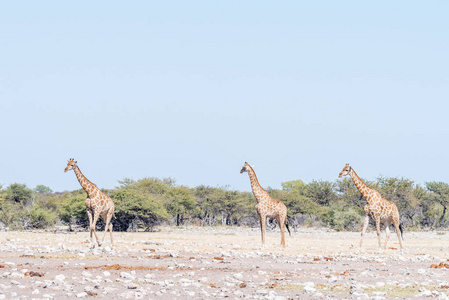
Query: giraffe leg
point(94, 223)
point(378, 234)
point(110, 232)
point(89, 215)
point(365, 226)
point(398, 232)
point(262, 227)
point(387, 231)
point(282, 224)
point(107, 219)
point(282, 228)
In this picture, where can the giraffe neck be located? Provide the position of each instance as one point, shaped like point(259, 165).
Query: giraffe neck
point(363, 188)
point(88, 186)
point(257, 189)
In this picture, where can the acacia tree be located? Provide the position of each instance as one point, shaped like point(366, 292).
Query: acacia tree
point(18, 193)
point(439, 194)
point(180, 203)
point(206, 201)
point(42, 189)
point(322, 192)
point(140, 203)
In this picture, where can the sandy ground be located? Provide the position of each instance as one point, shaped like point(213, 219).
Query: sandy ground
point(208, 263)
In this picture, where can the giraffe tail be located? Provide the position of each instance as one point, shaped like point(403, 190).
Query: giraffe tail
point(402, 231)
point(288, 229)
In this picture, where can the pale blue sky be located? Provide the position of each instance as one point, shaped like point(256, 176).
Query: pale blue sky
point(193, 89)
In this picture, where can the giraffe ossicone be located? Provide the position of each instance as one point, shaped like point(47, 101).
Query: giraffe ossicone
point(97, 204)
point(267, 206)
point(377, 208)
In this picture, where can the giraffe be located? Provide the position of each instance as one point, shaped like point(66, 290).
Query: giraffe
point(97, 204)
point(377, 208)
point(267, 206)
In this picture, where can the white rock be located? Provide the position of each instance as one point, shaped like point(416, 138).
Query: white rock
point(81, 295)
point(86, 274)
point(106, 273)
point(169, 282)
point(109, 289)
point(185, 280)
point(356, 290)
point(318, 295)
point(426, 293)
point(309, 290)
point(88, 288)
point(238, 276)
point(261, 292)
point(17, 275)
point(443, 296)
point(127, 275)
point(35, 292)
point(360, 295)
point(309, 284)
point(60, 277)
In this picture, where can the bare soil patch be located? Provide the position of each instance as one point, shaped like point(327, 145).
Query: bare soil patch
point(209, 263)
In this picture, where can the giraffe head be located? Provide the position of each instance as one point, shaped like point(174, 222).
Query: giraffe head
point(346, 171)
point(71, 164)
point(246, 167)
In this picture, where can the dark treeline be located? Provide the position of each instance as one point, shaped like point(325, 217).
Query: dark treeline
point(148, 202)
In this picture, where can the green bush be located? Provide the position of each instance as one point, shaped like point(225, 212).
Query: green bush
point(345, 218)
point(133, 205)
point(10, 214)
point(42, 218)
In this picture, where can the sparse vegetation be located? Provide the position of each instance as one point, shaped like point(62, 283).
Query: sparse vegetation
point(145, 203)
